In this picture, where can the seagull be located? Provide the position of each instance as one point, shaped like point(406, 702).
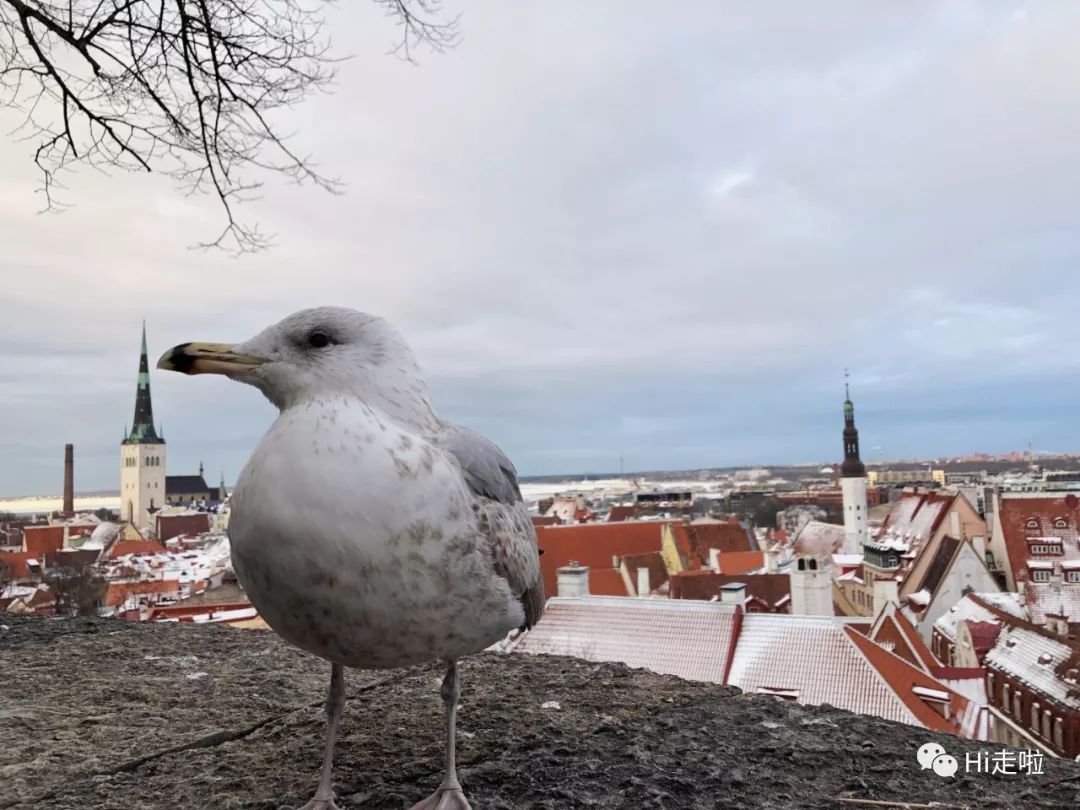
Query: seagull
point(365, 529)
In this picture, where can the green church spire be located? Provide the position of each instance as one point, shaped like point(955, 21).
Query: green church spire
point(142, 428)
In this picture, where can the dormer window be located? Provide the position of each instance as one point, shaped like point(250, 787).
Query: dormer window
point(1061, 523)
point(935, 699)
point(1040, 575)
point(1032, 523)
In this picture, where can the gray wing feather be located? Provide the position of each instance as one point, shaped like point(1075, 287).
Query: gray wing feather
point(501, 511)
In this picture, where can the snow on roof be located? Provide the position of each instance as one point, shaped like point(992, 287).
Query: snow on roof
point(1054, 599)
point(921, 598)
point(967, 609)
point(1041, 564)
point(816, 659)
point(915, 515)
point(1040, 520)
point(931, 694)
point(1006, 601)
point(827, 669)
point(687, 638)
point(847, 559)
point(17, 591)
point(819, 538)
point(1018, 653)
point(973, 688)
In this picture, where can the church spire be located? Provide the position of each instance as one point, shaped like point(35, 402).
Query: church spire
point(142, 428)
point(852, 466)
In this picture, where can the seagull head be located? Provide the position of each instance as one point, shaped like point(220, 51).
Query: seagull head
point(324, 352)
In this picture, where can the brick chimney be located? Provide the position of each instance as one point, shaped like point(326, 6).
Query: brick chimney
point(69, 479)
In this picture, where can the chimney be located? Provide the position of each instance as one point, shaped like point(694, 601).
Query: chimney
point(772, 559)
point(714, 559)
point(643, 588)
point(733, 593)
point(885, 591)
point(573, 580)
point(69, 479)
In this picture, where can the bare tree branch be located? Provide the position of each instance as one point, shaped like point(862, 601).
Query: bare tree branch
point(188, 88)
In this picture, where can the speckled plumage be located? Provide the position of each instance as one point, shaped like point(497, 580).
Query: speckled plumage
point(365, 529)
point(361, 541)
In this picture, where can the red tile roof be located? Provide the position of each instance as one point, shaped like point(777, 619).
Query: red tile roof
point(768, 592)
point(15, 563)
point(169, 526)
point(819, 538)
point(37, 540)
point(684, 638)
point(740, 562)
point(1023, 518)
point(72, 558)
point(653, 561)
point(983, 636)
point(814, 659)
point(545, 520)
point(904, 679)
point(594, 545)
point(606, 582)
point(702, 535)
point(916, 516)
point(136, 547)
point(118, 592)
point(893, 631)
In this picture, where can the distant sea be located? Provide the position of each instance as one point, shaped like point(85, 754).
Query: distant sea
point(44, 504)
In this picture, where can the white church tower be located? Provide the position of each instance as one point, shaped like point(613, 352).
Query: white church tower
point(142, 457)
point(811, 585)
point(853, 483)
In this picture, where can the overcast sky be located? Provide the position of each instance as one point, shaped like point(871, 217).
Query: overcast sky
point(613, 228)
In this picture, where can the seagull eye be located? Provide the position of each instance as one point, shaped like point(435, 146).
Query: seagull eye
point(318, 339)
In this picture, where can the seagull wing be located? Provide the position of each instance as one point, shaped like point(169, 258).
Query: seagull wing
point(502, 515)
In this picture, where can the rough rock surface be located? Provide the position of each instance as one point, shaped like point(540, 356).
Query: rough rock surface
point(110, 714)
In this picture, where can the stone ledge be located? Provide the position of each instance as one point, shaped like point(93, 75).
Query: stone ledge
point(99, 714)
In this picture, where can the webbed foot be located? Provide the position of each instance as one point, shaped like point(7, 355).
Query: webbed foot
point(445, 799)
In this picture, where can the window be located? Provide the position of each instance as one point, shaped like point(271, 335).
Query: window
point(1061, 523)
point(1032, 523)
point(1005, 692)
point(1046, 723)
point(1018, 707)
point(1035, 717)
point(1059, 733)
point(1040, 575)
point(813, 565)
point(1073, 576)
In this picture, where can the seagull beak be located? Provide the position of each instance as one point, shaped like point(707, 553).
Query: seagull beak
point(209, 358)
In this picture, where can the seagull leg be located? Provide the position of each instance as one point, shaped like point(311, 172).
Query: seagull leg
point(449, 796)
point(335, 703)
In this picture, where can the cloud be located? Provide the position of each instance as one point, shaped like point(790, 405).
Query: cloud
point(594, 213)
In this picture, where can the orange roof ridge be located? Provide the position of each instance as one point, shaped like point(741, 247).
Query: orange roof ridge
point(900, 676)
